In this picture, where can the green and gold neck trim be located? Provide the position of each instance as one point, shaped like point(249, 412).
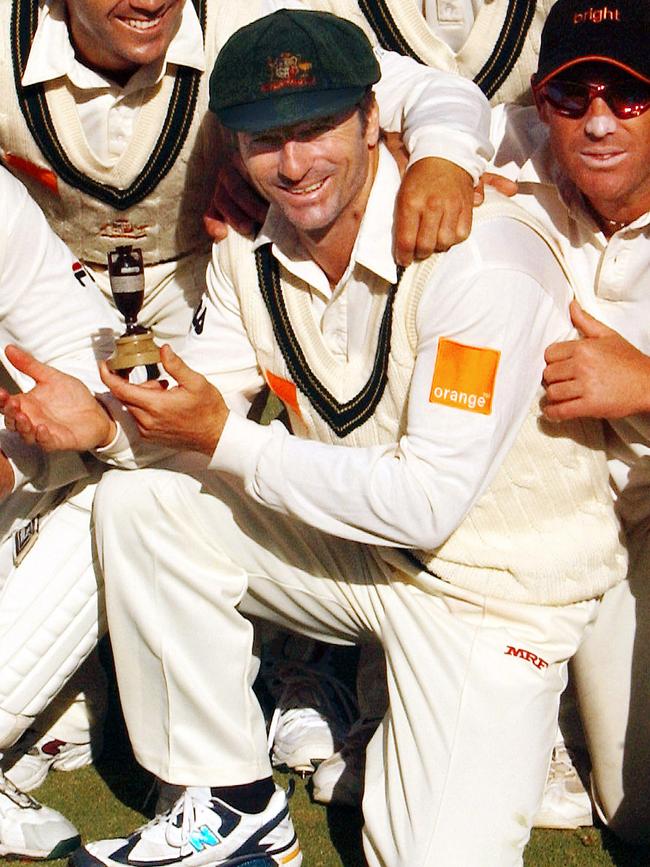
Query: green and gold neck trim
point(500, 63)
point(342, 418)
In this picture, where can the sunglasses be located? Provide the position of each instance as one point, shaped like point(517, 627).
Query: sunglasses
point(626, 99)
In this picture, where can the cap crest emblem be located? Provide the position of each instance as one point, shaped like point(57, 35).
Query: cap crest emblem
point(287, 70)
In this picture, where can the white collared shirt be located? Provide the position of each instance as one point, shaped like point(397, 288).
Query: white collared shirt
point(450, 20)
point(439, 114)
point(107, 111)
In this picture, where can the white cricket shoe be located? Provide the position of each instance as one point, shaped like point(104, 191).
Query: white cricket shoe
point(566, 803)
point(339, 779)
point(312, 716)
point(202, 831)
point(30, 830)
point(28, 768)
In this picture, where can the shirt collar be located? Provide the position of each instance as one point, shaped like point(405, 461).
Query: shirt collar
point(374, 243)
point(52, 55)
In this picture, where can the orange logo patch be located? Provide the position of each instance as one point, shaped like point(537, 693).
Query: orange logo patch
point(464, 376)
point(285, 390)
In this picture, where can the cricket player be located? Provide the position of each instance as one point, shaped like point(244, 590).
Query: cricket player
point(51, 610)
point(583, 168)
point(105, 121)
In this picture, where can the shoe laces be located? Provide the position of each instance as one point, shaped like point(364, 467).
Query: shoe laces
point(20, 798)
point(177, 822)
point(299, 687)
point(183, 808)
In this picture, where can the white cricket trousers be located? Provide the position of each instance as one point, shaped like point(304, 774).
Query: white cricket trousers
point(456, 771)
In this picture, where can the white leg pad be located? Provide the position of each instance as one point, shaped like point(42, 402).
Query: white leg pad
point(51, 614)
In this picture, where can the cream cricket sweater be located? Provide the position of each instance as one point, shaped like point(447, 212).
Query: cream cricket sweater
point(544, 532)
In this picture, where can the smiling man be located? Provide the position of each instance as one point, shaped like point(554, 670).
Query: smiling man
point(583, 169)
point(418, 499)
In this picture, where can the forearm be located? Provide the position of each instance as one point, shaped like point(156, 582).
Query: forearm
point(7, 476)
point(439, 114)
point(124, 447)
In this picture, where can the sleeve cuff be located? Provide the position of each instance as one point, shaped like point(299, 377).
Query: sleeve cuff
point(447, 145)
point(240, 446)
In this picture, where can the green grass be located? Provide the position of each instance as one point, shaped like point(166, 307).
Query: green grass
point(109, 800)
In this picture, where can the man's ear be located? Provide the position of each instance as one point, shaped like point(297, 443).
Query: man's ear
point(372, 129)
point(542, 110)
point(540, 104)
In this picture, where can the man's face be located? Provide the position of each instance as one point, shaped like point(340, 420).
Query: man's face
point(118, 36)
point(607, 158)
point(316, 172)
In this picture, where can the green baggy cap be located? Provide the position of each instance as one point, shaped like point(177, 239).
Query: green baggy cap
point(290, 67)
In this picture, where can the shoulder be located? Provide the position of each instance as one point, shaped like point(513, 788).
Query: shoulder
point(13, 192)
point(21, 211)
point(234, 257)
point(504, 240)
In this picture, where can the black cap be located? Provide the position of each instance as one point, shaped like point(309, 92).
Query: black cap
point(288, 67)
point(577, 31)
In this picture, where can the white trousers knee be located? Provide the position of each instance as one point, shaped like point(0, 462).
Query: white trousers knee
point(474, 683)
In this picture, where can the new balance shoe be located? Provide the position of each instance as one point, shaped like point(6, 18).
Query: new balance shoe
point(28, 766)
point(202, 831)
point(30, 830)
point(566, 803)
point(312, 716)
point(339, 779)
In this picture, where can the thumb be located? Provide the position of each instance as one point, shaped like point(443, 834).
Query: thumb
point(176, 367)
point(504, 185)
point(26, 363)
point(479, 192)
point(585, 323)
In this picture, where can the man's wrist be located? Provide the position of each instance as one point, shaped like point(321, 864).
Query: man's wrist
point(110, 429)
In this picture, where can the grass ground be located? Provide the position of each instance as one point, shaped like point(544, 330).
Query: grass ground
point(108, 800)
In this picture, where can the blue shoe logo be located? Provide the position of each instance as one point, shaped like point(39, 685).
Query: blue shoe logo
point(201, 838)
